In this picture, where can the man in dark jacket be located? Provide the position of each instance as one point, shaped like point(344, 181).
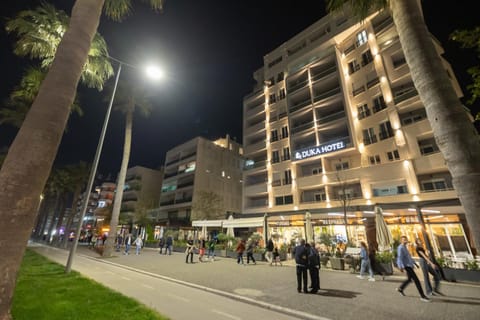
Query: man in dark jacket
point(301, 253)
point(314, 268)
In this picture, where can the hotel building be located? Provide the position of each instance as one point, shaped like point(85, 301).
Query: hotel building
point(335, 127)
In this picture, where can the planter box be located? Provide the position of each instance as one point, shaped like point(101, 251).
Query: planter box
point(324, 261)
point(384, 268)
point(337, 263)
point(461, 275)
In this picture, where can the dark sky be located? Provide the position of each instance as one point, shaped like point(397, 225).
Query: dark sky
point(210, 50)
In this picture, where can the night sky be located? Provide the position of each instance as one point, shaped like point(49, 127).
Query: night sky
point(210, 50)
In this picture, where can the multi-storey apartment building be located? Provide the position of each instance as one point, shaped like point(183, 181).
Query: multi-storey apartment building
point(142, 189)
point(200, 171)
point(334, 126)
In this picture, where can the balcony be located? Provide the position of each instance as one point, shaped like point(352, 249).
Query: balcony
point(299, 105)
point(256, 189)
point(380, 26)
point(373, 82)
point(331, 117)
point(292, 87)
point(429, 163)
point(323, 73)
point(359, 90)
point(257, 164)
point(302, 127)
point(326, 94)
point(255, 110)
point(385, 135)
point(255, 127)
point(404, 94)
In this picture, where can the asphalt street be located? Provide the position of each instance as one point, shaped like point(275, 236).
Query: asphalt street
point(225, 290)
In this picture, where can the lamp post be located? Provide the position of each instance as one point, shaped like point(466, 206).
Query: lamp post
point(152, 72)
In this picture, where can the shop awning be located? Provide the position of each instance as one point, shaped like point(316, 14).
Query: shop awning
point(243, 223)
point(207, 223)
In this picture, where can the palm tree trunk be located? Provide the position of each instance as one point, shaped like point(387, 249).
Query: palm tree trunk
point(117, 202)
point(454, 133)
point(73, 213)
point(58, 205)
point(31, 155)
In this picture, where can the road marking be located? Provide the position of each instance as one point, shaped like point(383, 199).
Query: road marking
point(125, 278)
point(147, 286)
point(178, 297)
point(228, 315)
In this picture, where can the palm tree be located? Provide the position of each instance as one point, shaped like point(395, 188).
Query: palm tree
point(78, 176)
point(20, 100)
point(28, 163)
point(129, 99)
point(454, 133)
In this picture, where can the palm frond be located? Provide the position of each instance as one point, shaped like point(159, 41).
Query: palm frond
point(117, 10)
point(360, 8)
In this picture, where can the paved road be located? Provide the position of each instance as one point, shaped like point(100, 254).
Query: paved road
point(343, 296)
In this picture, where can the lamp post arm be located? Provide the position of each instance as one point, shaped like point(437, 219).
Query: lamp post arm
point(93, 172)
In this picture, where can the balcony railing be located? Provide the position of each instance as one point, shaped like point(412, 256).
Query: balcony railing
point(324, 73)
point(358, 91)
point(372, 82)
point(297, 85)
point(331, 117)
point(299, 105)
point(404, 94)
point(326, 94)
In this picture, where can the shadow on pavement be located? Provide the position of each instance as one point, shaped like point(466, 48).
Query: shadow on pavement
point(338, 293)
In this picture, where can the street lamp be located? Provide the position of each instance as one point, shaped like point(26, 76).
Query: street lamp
point(152, 72)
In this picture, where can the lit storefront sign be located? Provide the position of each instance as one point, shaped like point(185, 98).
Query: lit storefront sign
point(319, 150)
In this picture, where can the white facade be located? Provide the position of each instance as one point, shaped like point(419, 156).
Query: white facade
point(335, 121)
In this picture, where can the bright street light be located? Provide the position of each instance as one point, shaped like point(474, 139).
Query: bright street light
point(152, 72)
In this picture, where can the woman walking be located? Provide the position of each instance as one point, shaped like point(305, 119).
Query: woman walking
point(365, 263)
point(428, 267)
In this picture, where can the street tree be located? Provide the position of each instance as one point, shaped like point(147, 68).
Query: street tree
point(128, 99)
point(30, 158)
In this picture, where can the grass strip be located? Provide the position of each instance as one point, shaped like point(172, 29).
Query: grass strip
point(45, 291)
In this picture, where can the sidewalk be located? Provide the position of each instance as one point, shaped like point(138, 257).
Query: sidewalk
point(342, 295)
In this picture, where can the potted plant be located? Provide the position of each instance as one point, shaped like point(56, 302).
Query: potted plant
point(383, 262)
point(470, 272)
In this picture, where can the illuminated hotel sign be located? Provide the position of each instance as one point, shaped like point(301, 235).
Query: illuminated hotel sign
point(319, 150)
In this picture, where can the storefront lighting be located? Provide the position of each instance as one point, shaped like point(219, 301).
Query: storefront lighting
point(434, 217)
point(425, 210)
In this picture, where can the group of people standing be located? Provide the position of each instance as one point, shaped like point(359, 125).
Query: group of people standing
point(167, 244)
point(307, 262)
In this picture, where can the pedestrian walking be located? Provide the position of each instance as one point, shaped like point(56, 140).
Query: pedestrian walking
point(365, 263)
point(269, 251)
point(128, 243)
point(211, 249)
point(301, 259)
point(169, 245)
point(240, 250)
point(201, 250)
point(119, 242)
point(250, 248)
point(314, 268)
point(405, 262)
point(189, 250)
point(138, 245)
point(428, 267)
point(161, 245)
point(276, 257)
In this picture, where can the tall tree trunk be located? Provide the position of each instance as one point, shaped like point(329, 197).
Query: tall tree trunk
point(454, 133)
point(61, 215)
point(73, 213)
point(58, 205)
point(31, 155)
point(117, 202)
point(42, 212)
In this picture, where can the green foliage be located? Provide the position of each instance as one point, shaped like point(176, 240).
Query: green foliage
point(472, 265)
point(470, 39)
point(65, 295)
point(384, 257)
point(207, 205)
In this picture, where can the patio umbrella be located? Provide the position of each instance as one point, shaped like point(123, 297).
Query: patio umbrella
point(203, 234)
point(265, 229)
point(160, 234)
point(308, 227)
point(230, 231)
point(384, 237)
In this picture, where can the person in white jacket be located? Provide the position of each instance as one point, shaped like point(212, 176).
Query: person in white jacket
point(138, 245)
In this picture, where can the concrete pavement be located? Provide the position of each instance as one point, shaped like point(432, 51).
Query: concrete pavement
point(342, 295)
